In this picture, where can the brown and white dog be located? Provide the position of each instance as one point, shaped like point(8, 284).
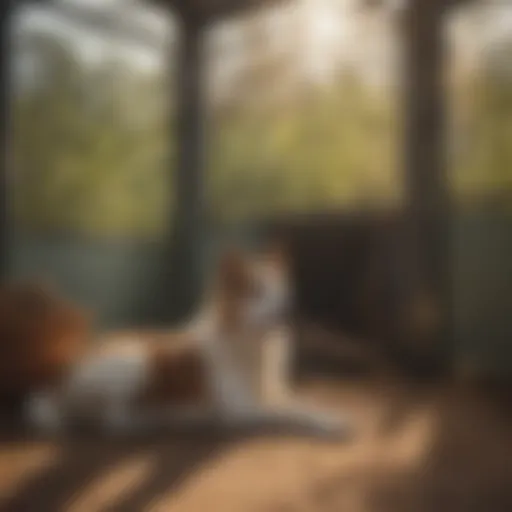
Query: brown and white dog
point(227, 368)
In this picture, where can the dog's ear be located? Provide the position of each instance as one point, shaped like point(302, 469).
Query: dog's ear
point(233, 271)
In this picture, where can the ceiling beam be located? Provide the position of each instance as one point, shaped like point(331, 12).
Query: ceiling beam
point(210, 11)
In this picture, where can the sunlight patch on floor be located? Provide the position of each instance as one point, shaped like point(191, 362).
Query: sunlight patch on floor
point(286, 475)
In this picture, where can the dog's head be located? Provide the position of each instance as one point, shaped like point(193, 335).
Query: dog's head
point(254, 289)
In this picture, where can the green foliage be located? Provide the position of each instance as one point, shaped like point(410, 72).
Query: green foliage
point(86, 156)
point(93, 149)
point(331, 148)
point(485, 163)
point(83, 164)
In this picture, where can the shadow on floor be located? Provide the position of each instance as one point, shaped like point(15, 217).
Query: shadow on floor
point(81, 463)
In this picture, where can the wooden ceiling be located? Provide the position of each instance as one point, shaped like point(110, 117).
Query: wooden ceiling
point(207, 11)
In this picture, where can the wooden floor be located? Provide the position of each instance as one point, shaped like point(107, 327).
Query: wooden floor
point(432, 450)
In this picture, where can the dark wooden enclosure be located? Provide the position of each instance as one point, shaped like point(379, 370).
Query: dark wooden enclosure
point(354, 274)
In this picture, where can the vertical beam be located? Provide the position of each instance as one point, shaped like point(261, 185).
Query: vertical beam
point(426, 181)
point(189, 183)
point(6, 9)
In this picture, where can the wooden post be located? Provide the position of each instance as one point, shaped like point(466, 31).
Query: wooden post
point(6, 8)
point(189, 181)
point(426, 181)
